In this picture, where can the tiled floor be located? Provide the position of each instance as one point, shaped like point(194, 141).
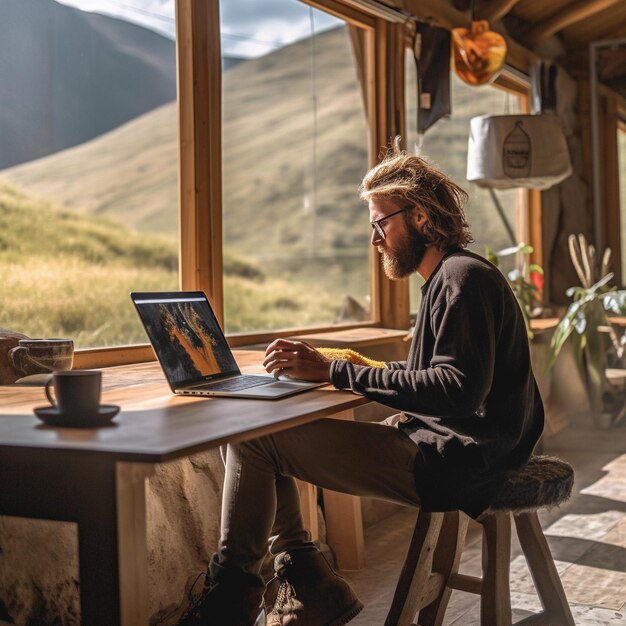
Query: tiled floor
point(587, 536)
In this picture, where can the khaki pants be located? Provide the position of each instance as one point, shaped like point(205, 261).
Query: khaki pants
point(260, 497)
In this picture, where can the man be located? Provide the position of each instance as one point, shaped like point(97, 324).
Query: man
point(469, 409)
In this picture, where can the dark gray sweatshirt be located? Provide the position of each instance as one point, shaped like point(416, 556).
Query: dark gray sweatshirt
point(467, 387)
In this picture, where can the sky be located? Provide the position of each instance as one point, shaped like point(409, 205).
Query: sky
point(250, 28)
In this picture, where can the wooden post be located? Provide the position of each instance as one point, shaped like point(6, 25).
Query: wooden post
point(344, 523)
point(495, 605)
point(199, 117)
point(541, 565)
point(132, 542)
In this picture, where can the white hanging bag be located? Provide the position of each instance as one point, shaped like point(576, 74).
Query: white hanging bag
point(507, 151)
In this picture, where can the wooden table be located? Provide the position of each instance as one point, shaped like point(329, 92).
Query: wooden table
point(96, 477)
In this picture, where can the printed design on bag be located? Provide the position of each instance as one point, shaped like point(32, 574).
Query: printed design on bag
point(516, 152)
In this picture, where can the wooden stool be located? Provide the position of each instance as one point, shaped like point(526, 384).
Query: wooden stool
point(430, 571)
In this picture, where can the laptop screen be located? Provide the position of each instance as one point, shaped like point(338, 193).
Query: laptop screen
point(186, 336)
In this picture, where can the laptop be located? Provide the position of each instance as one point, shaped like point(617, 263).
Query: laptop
point(194, 354)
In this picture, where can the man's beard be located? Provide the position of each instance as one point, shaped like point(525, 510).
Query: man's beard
point(406, 257)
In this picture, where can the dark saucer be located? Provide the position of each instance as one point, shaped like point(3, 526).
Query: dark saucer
point(53, 417)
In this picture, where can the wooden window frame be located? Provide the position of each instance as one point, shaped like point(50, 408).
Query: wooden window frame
point(612, 110)
point(613, 121)
point(620, 279)
point(528, 218)
point(199, 81)
point(528, 215)
point(618, 253)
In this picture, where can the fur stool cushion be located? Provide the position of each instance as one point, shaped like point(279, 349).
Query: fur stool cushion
point(544, 482)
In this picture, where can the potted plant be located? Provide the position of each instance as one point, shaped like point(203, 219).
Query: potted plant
point(525, 279)
point(586, 325)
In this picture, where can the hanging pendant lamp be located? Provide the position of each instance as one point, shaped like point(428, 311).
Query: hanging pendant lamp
point(478, 53)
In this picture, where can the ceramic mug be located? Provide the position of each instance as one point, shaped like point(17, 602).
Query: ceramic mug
point(76, 393)
point(36, 356)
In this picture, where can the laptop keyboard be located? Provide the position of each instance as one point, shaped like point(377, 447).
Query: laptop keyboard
point(235, 384)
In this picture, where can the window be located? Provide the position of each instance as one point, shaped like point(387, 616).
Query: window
point(445, 145)
point(89, 173)
point(295, 147)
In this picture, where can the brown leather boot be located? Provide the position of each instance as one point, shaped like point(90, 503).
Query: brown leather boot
point(310, 592)
point(229, 598)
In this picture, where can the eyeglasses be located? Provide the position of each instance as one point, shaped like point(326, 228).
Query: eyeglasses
point(377, 225)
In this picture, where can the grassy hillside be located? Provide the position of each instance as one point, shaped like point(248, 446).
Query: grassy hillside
point(69, 275)
point(130, 174)
point(268, 160)
point(32, 229)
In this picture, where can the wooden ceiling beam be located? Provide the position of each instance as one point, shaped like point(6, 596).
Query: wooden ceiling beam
point(495, 10)
point(441, 13)
point(567, 17)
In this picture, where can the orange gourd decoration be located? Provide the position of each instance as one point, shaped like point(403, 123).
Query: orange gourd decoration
point(478, 53)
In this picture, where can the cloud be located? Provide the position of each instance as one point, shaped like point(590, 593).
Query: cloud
point(254, 27)
point(250, 28)
point(158, 15)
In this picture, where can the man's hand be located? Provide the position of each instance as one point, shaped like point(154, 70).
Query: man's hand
point(296, 359)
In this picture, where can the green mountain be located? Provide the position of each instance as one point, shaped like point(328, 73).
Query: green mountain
point(290, 170)
point(67, 76)
point(131, 173)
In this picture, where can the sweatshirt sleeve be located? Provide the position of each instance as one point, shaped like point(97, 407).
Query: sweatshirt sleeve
point(396, 365)
point(460, 372)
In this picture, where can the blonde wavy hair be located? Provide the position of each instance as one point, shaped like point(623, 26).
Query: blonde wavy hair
point(408, 181)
